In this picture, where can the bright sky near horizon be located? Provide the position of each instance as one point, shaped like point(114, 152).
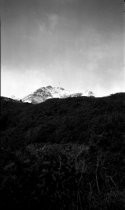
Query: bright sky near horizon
point(75, 44)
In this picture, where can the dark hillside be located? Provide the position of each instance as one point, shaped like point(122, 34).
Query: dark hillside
point(63, 154)
point(78, 120)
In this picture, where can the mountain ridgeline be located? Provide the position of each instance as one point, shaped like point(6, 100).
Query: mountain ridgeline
point(64, 153)
point(44, 93)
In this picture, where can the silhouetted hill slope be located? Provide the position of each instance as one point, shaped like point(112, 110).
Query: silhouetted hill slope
point(63, 154)
point(81, 120)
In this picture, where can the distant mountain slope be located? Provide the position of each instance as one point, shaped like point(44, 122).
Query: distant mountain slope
point(44, 93)
point(81, 119)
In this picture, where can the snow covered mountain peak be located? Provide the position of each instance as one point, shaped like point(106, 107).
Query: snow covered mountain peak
point(44, 93)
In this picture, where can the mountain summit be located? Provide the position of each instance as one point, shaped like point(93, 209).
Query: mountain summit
point(44, 93)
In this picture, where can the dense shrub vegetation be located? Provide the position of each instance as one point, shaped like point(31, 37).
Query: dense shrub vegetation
point(63, 153)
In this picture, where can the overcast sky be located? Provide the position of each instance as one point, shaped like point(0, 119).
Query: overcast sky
point(76, 44)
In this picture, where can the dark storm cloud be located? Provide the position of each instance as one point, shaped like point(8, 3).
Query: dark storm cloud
point(64, 38)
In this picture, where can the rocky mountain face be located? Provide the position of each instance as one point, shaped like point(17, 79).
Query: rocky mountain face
point(44, 93)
